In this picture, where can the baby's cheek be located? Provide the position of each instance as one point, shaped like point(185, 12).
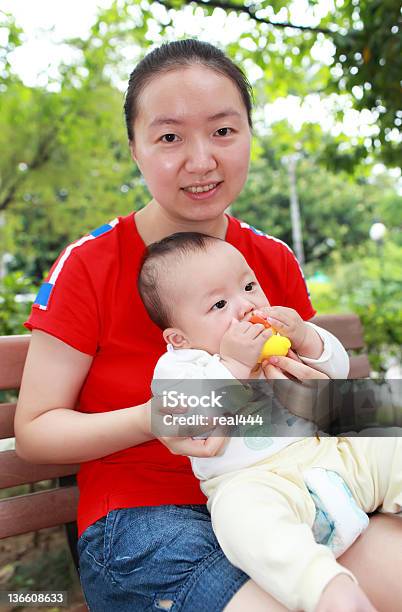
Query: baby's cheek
point(263, 302)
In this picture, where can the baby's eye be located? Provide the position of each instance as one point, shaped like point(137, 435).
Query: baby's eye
point(225, 131)
point(219, 305)
point(250, 286)
point(168, 138)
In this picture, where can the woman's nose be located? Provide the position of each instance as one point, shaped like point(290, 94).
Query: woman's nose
point(200, 159)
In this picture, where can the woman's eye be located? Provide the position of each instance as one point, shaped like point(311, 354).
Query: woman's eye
point(225, 131)
point(250, 286)
point(168, 138)
point(219, 305)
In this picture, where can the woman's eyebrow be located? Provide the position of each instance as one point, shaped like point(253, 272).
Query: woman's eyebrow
point(166, 120)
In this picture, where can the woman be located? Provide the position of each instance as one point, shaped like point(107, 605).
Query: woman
point(145, 536)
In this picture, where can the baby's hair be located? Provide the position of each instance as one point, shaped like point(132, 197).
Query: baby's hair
point(159, 259)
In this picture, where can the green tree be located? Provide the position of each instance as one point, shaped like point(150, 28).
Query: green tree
point(67, 167)
point(337, 209)
point(365, 40)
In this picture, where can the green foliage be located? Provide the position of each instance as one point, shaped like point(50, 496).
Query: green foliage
point(16, 296)
point(10, 36)
point(325, 298)
point(369, 58)
point(67, 168)
point(365, 43)
point(336, 209)
point(371, 287)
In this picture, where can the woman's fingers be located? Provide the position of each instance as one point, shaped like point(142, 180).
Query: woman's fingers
point(299, 370)
point(292, 355)
point(191, 447)
point(273, 373)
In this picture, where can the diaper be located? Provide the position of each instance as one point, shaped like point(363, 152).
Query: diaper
point(338, 520)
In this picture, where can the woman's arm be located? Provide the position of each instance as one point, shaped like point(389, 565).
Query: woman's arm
point(48, 429)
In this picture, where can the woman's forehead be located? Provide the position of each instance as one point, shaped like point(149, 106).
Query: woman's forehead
point(183, 94)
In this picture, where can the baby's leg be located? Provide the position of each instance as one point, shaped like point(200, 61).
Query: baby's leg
point(262, 522)
point(378, 470)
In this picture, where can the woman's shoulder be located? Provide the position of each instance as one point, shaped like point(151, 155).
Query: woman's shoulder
point(107, 246)
point(88, 279)
point(109, 240)
point(91, 261)
point(250, 239)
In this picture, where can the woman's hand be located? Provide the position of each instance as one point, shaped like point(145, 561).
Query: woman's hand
point(209, 447)
point(199, 446)
point(304, 393)
point(282, 368)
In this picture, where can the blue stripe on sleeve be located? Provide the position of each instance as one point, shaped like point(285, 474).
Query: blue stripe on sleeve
point(43, 296)
point(101, 230)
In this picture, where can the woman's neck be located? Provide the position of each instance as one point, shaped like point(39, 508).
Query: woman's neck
point(153, 224)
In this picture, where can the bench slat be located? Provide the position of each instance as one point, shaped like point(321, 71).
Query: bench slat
point(15, 471)
point(359, 366)
point(13, 352)
point(347, 328)
point(36, 511)
point(7, 412)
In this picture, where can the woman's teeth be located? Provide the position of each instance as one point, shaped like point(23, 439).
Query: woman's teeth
point(200, 189)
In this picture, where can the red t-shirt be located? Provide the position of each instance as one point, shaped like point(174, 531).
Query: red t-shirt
point(90, 301)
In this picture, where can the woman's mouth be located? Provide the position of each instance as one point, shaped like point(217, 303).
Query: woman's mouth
point(197, 192)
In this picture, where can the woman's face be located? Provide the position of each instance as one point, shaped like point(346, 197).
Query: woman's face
point(192, 142)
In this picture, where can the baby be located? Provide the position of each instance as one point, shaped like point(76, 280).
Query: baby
point(202, 293)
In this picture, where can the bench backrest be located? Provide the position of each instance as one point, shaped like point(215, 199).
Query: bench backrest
point(31, 511)
point(349, 330)
point(56, 506)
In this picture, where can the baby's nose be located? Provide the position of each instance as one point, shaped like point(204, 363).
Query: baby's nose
point(246, 308)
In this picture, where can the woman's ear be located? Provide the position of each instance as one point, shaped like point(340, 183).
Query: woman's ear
point(131, 145)
point(133, 152)
point(176, 338)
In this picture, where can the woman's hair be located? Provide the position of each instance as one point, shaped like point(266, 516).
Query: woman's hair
point(170, 56)
point(158, 261)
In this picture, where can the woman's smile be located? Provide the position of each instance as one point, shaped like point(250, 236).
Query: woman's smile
point(202, 193)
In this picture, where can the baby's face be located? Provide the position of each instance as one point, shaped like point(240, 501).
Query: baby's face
point(209, 289)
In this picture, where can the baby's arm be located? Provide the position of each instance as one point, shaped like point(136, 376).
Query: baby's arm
point(334, 360)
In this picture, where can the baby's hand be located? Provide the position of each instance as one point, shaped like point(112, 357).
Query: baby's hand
point(343, 595)
point(241, 346)
point(289, 323)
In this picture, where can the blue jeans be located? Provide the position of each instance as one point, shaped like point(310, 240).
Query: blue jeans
point(156, 558)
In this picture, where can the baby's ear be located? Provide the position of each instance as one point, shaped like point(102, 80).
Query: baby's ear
point(176, 338)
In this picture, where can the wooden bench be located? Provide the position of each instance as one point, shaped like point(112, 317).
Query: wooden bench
point(32, 511)
point(57, 506)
